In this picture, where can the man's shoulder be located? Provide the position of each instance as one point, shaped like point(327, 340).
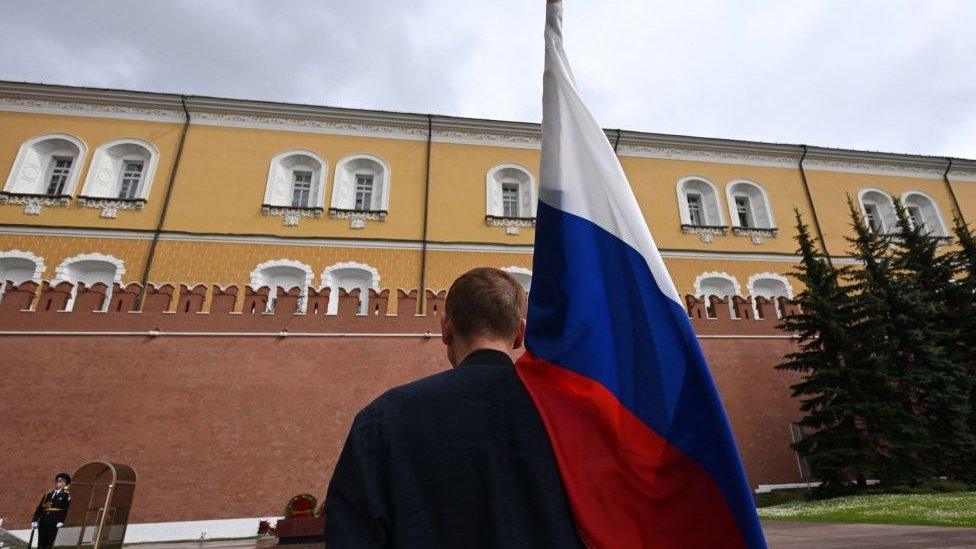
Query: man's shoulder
point(471, 381)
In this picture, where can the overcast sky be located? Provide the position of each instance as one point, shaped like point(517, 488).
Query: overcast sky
point(888, 75)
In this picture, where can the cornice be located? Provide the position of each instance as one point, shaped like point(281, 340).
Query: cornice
point(109, 103)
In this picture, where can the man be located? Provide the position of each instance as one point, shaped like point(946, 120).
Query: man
point(51, 511)
point(460, 458)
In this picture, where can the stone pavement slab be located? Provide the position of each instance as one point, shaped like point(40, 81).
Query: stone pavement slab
point(803, 535)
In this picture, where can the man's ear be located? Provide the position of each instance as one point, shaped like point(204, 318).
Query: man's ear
point(447, 331)
point(519, 336)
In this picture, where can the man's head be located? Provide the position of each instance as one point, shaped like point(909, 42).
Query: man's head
point(485, 309)
point(61, 480)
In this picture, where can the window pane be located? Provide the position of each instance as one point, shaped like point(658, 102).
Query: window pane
point(60, 168)
point(131, 176)
point(915, 214)
point(872, 217)
point(510, 199)
point(744, 211)
point(364, 192)
point(301, 189)
point(695, 209)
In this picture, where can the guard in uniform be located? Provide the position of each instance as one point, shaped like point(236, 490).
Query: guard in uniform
point(51, 511)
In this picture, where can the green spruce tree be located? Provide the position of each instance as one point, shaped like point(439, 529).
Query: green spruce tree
point(962, 311)
point(879, 318)
point(841, 445)
point(926, 348)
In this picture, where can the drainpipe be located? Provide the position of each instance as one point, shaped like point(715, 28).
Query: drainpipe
point(813, 210)
point(616, 141)
point(422, 291)
point(162, 215)
point(952, 193)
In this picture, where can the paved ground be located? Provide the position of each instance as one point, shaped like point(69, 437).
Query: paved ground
point(799, 535)
point(803, 535)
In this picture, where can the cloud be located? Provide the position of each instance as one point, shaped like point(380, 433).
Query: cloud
point(872, 75)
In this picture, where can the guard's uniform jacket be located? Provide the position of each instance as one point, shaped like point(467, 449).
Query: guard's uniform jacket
point(457, 459)
point(52, 509)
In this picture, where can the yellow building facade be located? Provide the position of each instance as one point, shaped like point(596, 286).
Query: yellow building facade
point(118, 186)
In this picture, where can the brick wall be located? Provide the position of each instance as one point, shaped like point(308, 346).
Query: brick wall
point(221, 426)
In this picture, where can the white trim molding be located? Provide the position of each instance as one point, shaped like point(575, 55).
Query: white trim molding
point(940, 229)
point(715, 274)
point(750, 284)
point(33, 167)
point(278, 190)
point(257, 281)
point(715, 216)
point(343, 203)
point(61, 272)
point(328, 278)
point(102, 184)
point(20, 254)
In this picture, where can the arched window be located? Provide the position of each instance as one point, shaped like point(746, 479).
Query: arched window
point(285, 274)
point(17, 266)
point(749, 205)
point(699, 208)
point(45, 172)
point(350, 276)
point(120, 176)
point(878, 210)
point(510, 192)
point(721, 285)
point(923, 212)
point(91, 269)
point(361, 190)
point(770, 286)
point(296, 186)
point(522, 275)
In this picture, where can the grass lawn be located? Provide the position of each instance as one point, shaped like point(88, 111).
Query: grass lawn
point(950, 509)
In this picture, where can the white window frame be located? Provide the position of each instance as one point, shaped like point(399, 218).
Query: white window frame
point(259, 279)
point(26, 172)
point(715, 218)
point(751, 285)
point(528, 191)
point(886, 211)
point(759, 206)
point(63, 273)
point(37, 260)
point(736, 288)
point(347, 172)
point(937, 226)
point(279, 190)
point(329, 280)
point(104, 178)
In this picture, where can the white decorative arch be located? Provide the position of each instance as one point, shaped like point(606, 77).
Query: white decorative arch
point(515, 174)
point(703, 277)
point(761, 212)
point(929, 210)
point(713, 214)
point(104, 178)
point(521, 274)
point(758, 277)
point(259, 274)
point(279, 190)
point(14, 256)
point(63, 271)
point(350, 275)
point(881, 200)
point(284, 274)
point(34, 163)
point(344, 185)
point(90, 269)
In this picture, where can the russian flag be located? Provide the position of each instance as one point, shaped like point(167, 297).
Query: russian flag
point(612, 364)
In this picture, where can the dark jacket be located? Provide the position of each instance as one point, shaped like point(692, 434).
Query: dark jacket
point(457, 459)
point(53, 509)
